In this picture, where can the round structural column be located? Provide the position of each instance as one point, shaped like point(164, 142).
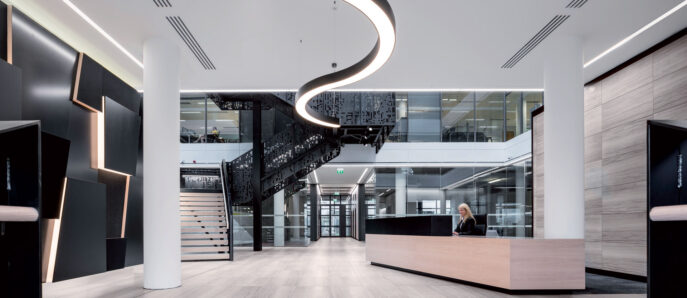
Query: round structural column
point(564, 140)
point(161, 226)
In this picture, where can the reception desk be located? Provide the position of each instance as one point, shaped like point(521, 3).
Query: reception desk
point(507, 263)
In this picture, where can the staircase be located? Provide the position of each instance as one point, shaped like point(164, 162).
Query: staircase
point(301, 147)
point(204, 227)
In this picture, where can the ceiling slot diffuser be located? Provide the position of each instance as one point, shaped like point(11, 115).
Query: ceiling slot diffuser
point(536, 40)
point(576, 3)
point(162, 3)
point(191, 42)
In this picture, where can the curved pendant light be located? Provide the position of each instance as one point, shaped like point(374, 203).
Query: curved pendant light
point(382, 17)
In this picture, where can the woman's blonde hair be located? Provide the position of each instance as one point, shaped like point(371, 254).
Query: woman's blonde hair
point(468, 212)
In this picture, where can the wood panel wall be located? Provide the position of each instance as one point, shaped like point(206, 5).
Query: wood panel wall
point(617, 108)
point(538, 170)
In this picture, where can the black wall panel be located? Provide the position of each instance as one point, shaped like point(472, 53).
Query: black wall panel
point(3, 31)
point(134, 213)
point(90, 83)
point(122, 127)
point(48, 66)
point(54, 156)
point(81, 123)
point(122, 93)
point(10, 92)
point(82, 245)
point(115, 192)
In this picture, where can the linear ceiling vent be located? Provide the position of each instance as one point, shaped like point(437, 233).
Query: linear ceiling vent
point(162, 3)
point(535, 41)
point(576, 3)
point(190, 40)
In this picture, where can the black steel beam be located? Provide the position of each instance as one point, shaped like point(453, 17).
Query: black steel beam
point(314, 213)
point(362, 212)
point(256, 179)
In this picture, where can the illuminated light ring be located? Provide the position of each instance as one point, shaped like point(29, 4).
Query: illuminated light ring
point(382, 17)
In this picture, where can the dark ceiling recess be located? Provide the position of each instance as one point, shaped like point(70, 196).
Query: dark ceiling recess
point(190, 40)
point(576, 3)
point(536, 40)
point(162, 3)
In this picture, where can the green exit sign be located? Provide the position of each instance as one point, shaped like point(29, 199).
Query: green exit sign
point(339, 171)
point(336, 193)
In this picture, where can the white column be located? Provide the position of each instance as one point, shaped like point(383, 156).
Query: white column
point(161, 226)
point(564, 140)
point(401, 191)
point(279, 218)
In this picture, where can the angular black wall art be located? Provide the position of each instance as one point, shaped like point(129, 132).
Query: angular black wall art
point(10, 97)
point(47, 65)
point(81, 249)
point(88, 84)
point(116, 89)
point(122, 128)
point(54, 156)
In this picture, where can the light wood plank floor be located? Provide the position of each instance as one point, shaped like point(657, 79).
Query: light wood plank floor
point(332, 267)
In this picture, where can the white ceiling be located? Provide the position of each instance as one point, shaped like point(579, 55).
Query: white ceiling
point(276, 44)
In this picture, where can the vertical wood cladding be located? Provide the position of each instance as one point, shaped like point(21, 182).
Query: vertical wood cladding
point(538, 169)
point(617, 109)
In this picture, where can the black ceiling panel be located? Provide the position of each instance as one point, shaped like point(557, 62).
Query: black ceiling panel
point(122, 128)
point(48, 66)
point(90, 83)
point(81, 249)
point(116, 89)
point(54, 157)
point(10, 97)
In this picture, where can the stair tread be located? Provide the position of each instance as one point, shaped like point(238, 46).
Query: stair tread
point(200, 257)
point(204, 224)
point(203, 208)
point(204, 242)
point(203, 230)
point(185, 249)
point(185, 237)
point(201, 212)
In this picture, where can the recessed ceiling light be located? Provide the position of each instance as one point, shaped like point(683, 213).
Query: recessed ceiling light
point(382, 17)
point(638, 32)
point(102, 32)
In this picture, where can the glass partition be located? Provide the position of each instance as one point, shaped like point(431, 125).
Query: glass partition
point(502, 196)
point(420, 117)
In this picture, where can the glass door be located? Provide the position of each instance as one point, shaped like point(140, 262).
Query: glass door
point(335, 216)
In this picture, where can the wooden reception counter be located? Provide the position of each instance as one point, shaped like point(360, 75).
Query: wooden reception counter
point(507, 263)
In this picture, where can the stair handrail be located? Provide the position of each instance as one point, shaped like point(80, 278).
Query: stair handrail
point(228, 215)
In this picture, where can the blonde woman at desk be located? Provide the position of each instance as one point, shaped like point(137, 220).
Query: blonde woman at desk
point(466, 226)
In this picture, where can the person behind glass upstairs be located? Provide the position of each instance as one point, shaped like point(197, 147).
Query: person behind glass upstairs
point(466, 226)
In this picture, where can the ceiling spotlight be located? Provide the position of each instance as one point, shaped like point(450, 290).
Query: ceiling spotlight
point(369, 128)
point(382, 17)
